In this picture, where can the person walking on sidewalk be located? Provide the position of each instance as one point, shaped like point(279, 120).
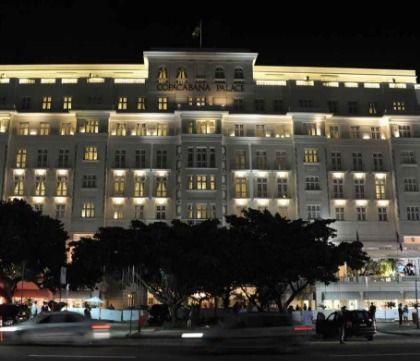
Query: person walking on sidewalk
point(400, 314)
point(341, 322)
point(405, 315)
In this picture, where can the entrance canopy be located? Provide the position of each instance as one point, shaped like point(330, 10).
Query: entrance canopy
point(382, 295)
point(341, 296)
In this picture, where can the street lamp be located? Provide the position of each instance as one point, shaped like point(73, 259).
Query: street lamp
point(410, 266)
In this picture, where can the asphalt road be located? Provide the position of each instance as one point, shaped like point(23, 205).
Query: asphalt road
point(385, 347)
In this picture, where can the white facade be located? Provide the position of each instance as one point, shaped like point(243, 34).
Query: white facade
point(194, 134)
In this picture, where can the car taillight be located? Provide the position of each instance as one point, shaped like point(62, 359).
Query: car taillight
point(100, 327)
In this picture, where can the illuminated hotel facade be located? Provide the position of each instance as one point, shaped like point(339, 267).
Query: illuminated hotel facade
point(193, 135)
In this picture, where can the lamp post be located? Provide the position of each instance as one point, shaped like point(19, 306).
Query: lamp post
point(410, 266)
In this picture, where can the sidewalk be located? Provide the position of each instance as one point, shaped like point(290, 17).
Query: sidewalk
point(395, 328)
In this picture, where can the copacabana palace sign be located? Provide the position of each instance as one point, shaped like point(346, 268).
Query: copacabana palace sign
point(203, 87)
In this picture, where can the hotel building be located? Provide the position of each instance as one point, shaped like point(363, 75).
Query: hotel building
point(201, 134)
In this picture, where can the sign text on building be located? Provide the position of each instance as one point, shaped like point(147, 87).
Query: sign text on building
point(201, 87)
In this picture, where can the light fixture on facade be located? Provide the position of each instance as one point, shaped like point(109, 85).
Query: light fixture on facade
point(40, 171)
point(283, 202)
point(60, 200)
point(340, 202)
point(117, 200)
point(361, 202)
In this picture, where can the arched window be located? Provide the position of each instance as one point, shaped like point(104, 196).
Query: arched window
point(238, 73)
point(162, 76)
point(181, 75)
point(219, 73)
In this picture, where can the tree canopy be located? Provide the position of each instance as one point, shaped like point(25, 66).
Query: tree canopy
point(32, 246)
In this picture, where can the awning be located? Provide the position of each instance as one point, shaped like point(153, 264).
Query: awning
point(44, 293)
point(382, 295)
point(411, 295)
point(75, 295)
point(341, 295)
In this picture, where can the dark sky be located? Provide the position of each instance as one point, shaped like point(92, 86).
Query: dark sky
point(117, 31)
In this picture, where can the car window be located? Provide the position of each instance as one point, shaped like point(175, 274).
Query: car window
point(71, 317)
point(56, 318)
point(332, 317)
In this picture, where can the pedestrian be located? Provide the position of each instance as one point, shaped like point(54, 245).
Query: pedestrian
point(45, 307)
point(372, 310)
point(405, 315)
point(111, 307)
point(341, 323)
point(86, 312)
point(400, 314)
point(308, 317)
point(34, 309)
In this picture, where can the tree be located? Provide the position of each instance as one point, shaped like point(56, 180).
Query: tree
point(32, 247)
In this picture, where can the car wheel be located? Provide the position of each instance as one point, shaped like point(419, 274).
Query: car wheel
point(370, 337)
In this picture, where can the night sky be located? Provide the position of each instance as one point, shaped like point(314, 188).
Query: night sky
point(90, 31)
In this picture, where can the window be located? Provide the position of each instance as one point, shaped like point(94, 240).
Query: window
point(190, 184)
point(65, 129)
point(118, 211)
point(355, 132)
point(201, 101)
point(162, 129)
point(38, 207)
point(260, 130)
point(311, 156)
point(219, 73)
point(89, 181)
point(18, 185)
point(94, 100)
point(239, 130)
point(278, 105)
point(398, 106)
point(336, 161)
point(240, 159)
point(261, 159)
point(121, 129)
point(339, 214)
point(378, 162)
point(21, 158)
point(162, 75)
point(332, 106)
point(120, 158)
point(161, 159)
point(282, 188)
point(280, 160)
point(262, 191)
point(160, 212)
point(161, 187)
point(238, 73)
point(138, 211)
point(139, 186)
point(42, 159)
point(162, 103)
point(119, 183)
point(181, 75)
point(305, 103)
point(359, 188)
point(405, 131)
point(44, 129)
point(206, 126)
point(334, 132)
point(259, 105)
point(201, 161)
point(408, 157)
point(357, 162)
point(380, 188)
point(240, 187)
point(375, 132)
point(353, 107)
point(140, 158)
point(413, 213)
point(312, 183)
point(91, 126)
point(212, 157)
point(141, 103)
point(372, 108)
point(91, 153)
point(382, 214)
point(238, 104)
point(63, 158)
point(61, 186)
point(410, 185)
point(338, 188)
point(88, 210)
point(23, 129)
point(26, 103)
point(309, 129)
point(40, 185)
point(314, 211)
point(190, 157)
point(141, 129)
point(361, 213)
point(60, 211)
point(212, 211)
point(67, 103)
point(201, 211)
point(212, 182)
point(46, 103)
point(201, 182)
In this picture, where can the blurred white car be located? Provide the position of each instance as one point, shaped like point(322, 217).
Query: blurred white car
point(62, 327)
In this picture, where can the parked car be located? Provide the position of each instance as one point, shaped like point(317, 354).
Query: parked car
point(12, 313)
point(357, 323)
point(62, 327)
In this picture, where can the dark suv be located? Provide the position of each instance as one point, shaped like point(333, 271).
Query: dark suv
point(357, 322)
point(12, 313)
